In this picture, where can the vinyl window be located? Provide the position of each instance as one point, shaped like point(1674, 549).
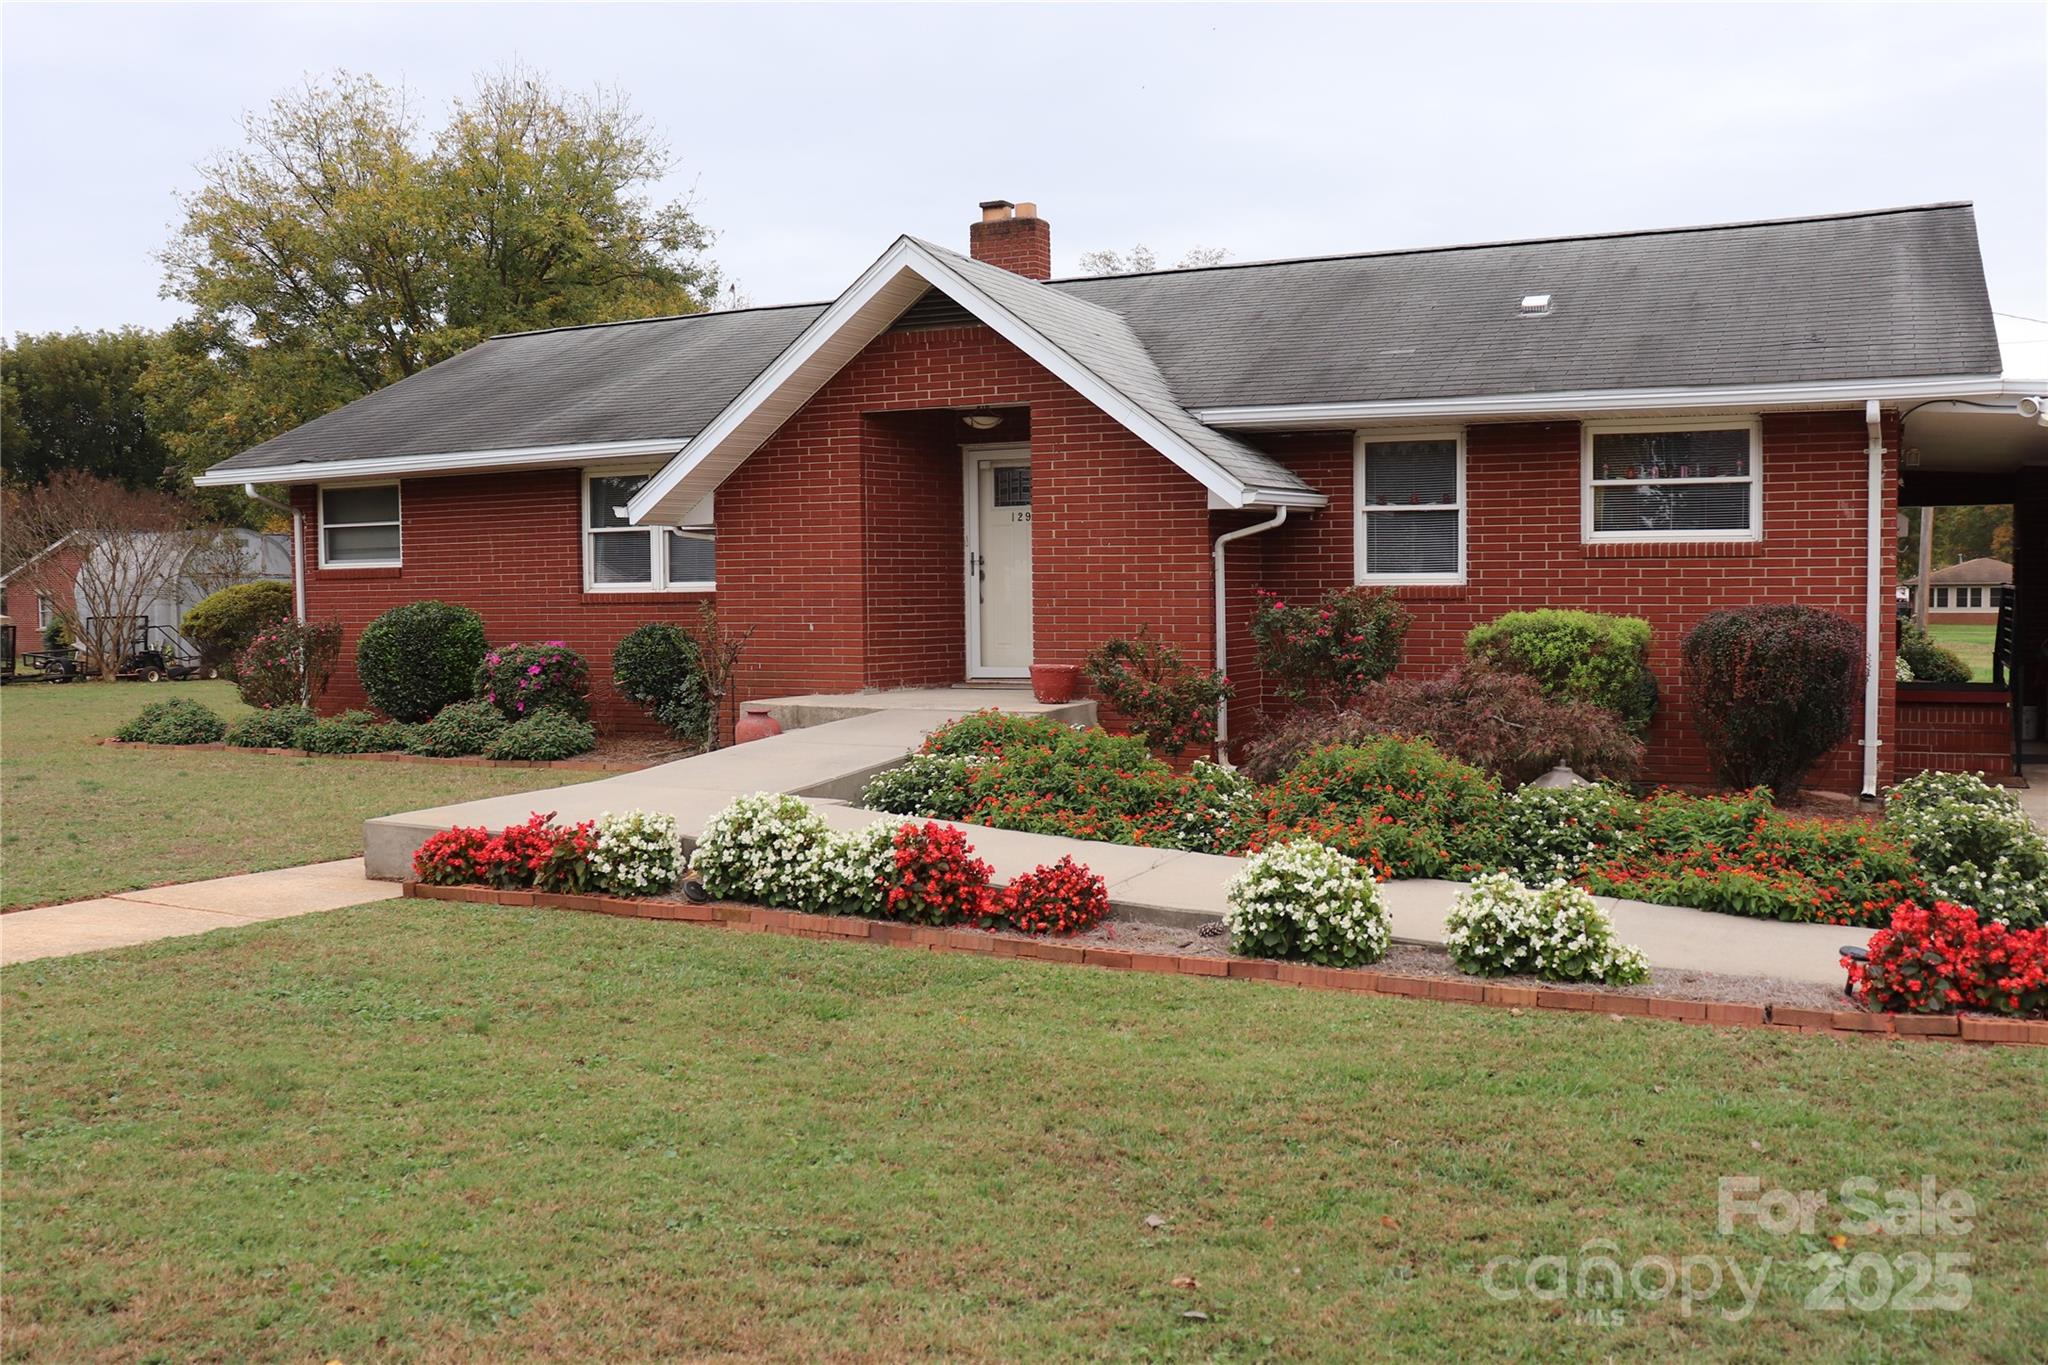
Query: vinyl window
point(1411, 508)
point(621, 557)
point(359, 526)
point(1695, 481)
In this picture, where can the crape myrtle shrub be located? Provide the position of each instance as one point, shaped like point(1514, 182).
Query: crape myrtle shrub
point(1772, 689)
point(415, 659)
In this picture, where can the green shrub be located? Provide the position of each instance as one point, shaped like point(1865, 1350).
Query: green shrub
point(270, 729)
point(1929, 661)
point(544, 738)
point(415, 659)
point(524, 680)
point(1550, 832)
point(1772, 689)
point(1400, 805)
point(773, 849)
point(990, 732)
point(1331, 650)
point(659, 668)
point(352, 732)
point(1975, 845)
point(461, 730)
point(178, 720)
point(1575, 656)
point(221, 625)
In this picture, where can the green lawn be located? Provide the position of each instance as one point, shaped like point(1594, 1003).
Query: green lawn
point(84, 820)
point(1972, 642)
point(424, 1130)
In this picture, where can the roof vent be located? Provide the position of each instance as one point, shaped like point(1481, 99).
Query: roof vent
point(1535, 305)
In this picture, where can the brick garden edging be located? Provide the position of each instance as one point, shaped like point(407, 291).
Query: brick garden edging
point(573, 765)
point(849, 928)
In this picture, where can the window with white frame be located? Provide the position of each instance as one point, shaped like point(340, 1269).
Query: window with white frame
point(359, 526)
point(1690, 481)
point(46, 610)
point(620, 557)
point(1411, 508)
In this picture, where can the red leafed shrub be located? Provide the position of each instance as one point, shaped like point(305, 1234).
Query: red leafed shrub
point(1946, 959)
point(938, 879)
point(1058, 898)
point(1489, 717)
point(536, 854)
point(461, 856)
point(1772, 689)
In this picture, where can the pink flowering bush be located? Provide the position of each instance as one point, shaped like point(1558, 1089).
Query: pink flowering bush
point(524, 680)
point(1331, 650)
point(1172, 705)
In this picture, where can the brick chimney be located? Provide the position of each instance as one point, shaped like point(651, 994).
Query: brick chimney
point(1014, 237)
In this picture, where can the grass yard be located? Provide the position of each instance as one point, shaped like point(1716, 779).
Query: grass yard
point(84, 820)
point(426, 1130)
point(1972, 642)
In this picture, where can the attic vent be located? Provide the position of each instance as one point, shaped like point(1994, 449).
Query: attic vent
point(1535, 305)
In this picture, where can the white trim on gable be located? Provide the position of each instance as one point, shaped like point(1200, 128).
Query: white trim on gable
point(841, 332)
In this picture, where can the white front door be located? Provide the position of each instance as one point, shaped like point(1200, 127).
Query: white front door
point(998, 561)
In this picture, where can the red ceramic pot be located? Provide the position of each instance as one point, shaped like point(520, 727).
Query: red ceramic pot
point(1055, 684)
point(755, 723)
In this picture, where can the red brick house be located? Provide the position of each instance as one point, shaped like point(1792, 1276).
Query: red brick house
point(1964, 594)
point(961, 466)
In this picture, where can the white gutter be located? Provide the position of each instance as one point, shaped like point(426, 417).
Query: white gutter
point(1223, 623)
point(1873, 608)
point(298, 542)
point(450, 462)
point(1310, 416)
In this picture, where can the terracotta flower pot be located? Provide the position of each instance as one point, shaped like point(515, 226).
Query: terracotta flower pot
point(755, 723)
point(1055, 684)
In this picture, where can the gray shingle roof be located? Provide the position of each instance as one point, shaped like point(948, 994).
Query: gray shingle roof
point(1105, 345)
point(654, 380)
point(1884, 294)
point(1856, 296)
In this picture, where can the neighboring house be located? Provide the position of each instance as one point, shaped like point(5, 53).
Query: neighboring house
point(1965, 593)
point(960, 466)
point(46, 585)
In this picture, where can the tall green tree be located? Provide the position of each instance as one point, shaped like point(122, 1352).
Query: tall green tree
point(73, 401)
point(343, 246)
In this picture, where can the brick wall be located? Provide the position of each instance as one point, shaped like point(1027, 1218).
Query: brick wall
point(56, 573)
point(507, 545)
point(1954, 730)
point(1524, 550)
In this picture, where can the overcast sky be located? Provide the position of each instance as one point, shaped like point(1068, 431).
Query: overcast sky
point(815, 136)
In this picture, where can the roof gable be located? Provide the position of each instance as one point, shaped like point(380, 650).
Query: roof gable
point(1090, 349)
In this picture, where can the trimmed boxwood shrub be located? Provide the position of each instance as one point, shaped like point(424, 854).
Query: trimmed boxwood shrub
point(462, 730)
point(659, 669)
point(415, 659)
point(1772, 689)
point(179, 720)
point(352, 732)
point(1575, 656)
point(543, 738)
point(271, 729)
point(524, 680)
point(221, 625)
point(1929, 661)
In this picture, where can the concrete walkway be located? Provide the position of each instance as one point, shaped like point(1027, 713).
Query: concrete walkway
point(194, 908)
point(836, 743)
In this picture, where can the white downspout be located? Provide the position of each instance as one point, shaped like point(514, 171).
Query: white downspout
point(1873, 606)
point(1223, 624)
point(298, 540)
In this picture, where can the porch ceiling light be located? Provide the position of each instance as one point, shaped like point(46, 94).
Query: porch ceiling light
point(983, 421)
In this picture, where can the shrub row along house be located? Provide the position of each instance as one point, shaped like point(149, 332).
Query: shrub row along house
point(961, 467)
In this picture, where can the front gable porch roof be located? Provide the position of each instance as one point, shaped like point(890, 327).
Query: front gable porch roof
point(1090, 349)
